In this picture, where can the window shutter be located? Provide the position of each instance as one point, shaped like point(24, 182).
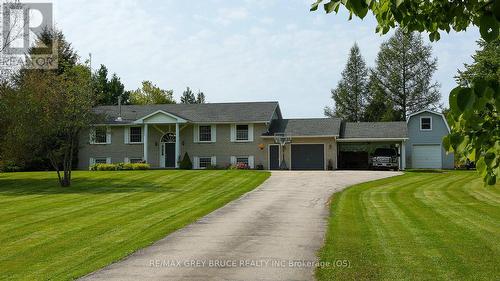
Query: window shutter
point(108, 135)
point(126, 160)
point(196, 162)
point(126, 135)
point(196, 133)
point(233, 132)
point(108, 160)
point(92, 135)
point(233, 160)
point(91, 161)
point(213, 133)
point(213, 161)
point(251, 162)
point(250, 132)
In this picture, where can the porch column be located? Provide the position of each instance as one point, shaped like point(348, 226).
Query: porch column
point(145, 145)
point(403, 155)
point(177, 146)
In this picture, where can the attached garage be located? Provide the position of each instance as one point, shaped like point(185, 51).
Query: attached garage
point(426, 156)
point(308, 157)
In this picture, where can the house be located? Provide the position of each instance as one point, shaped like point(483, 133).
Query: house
point(223, 134)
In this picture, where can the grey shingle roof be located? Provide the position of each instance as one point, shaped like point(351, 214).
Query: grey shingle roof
point(374, 130)
point(209, 112)
point(307, 127)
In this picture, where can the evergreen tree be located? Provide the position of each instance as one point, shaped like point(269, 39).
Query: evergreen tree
point(486, 64)
point(188, 96)
point(351, 92)
point(200, 97)
point(403, 74)
point(108, 91)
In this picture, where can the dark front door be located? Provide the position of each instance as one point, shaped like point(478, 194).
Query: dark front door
point(170, 155)
point(308, 157)
point(274, 157)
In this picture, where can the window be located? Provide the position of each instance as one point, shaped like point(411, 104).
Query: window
point(242, 160)
point(425, 123)
point(205, 133)
point(135, 160)
point(205, 162)
point(135, 134)
point(101, 160)
point(100, 134)
point(242, 132)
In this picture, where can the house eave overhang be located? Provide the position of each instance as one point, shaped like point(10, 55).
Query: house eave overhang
point(177, 118)
point(372, 139)
point(307, 136)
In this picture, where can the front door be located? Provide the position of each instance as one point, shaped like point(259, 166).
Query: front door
point(274, 157)
point(169, 155)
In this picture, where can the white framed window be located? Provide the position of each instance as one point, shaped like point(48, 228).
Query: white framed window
point(425, 123)
point(247, 160)
point(100, 160)
point(241, 132)
point(100, 135)
point(135, 134)
point(205, 133)
point(203, 162)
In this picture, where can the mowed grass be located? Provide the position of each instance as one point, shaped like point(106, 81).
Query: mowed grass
point(419, 226)
point(49, 232)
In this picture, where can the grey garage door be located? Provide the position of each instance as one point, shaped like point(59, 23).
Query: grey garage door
point(308, 157)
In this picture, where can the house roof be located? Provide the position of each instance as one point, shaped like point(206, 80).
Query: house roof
point(198, 113)
point(309, 127)
point(374, 130)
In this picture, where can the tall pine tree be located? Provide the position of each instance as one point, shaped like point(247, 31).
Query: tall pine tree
point(352, 90)
point(403, 74)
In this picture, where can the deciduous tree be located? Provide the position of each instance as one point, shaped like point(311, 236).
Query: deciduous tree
point(151, 94)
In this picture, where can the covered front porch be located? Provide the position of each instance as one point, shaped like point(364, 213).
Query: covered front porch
point(161, 139)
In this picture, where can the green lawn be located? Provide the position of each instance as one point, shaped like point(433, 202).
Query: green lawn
point(49, 232)
point(419, 226)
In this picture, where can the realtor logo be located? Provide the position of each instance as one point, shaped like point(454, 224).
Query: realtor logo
point(22, 25)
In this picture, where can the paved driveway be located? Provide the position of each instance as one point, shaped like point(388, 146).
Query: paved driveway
point(252, 238)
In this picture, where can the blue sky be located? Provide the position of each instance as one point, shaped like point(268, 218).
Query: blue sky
point(253, 50)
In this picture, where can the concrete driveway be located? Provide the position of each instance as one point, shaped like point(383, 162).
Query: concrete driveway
point(271, 233)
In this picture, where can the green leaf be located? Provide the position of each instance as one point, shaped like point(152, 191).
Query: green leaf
point(496, 10)
point(315, 5)
point(491, 179)
point(453, 101)
point(332, 6)
point(481, 167)
point(446, 144)
point(489, 157)
point(465, 99)
point(399, 2)
point(488, 27)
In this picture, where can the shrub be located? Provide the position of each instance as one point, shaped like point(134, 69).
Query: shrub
point(119, 167)
point(9, 166)
point(186, 163)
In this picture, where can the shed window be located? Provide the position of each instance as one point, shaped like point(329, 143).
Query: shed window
point(426, 123)
point(242, 160)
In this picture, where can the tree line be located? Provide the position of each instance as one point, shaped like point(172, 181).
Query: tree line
point(109, 90)
point(399, 84)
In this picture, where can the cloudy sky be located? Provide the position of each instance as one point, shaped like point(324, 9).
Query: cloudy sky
point(253, 50)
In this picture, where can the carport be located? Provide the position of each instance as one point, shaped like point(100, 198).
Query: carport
point(359, 141)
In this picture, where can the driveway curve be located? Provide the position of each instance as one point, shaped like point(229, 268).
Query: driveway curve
point(270, 233)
